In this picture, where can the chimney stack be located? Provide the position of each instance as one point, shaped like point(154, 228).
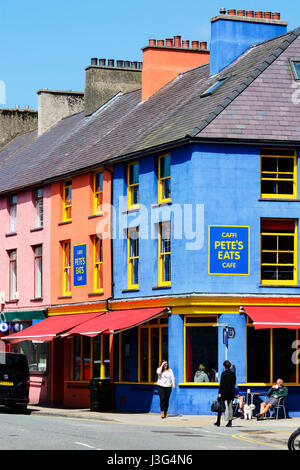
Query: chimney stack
point(104, 81)
point(163, 60)
point(234, 31)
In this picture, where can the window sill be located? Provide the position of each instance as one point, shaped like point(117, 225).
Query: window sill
point(100, 214)
point(161, 287)
point(278, 199)
point(65, 297)
point(94, 294)
point(36, 229)
point(10, 234)
point(162, 203)
point(131, 209)
point(66, 222)
point(37, 299)
point(134, 289)
point(12, 301)
point(199, 384)
point(297, 286)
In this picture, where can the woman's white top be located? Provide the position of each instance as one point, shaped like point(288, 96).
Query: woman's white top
point(165, 378)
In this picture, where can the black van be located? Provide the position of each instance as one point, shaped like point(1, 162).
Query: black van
point(14, 381)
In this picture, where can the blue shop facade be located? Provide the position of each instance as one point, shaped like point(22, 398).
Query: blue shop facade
point(206, 230)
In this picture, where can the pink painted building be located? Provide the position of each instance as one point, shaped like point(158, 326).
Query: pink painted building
point(25, 275)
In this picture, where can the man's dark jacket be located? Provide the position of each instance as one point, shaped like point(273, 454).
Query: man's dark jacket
point(227, 385)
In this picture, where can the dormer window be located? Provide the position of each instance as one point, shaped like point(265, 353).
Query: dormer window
point(295, 67)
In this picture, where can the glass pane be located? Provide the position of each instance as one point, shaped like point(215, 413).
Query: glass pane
point(99, 182)
point(286, 165)
point(106, 355)
point(283, 367)
point(201, 350)
point(13, 218)
point(258, 345)
point(164, 348)
point(96, 357)
point(268, 187)
point(42, 356)
point(269, 258)
point(268, 273)
point(285, 187)
point(126, 355)
point(154, 353)
point(167, 268)
point(144, 356)
point(165, 166)
point(86, 358)
point(134, 173)
point(135, 195)
point(269, 242)
point(32, 355)
point(286, 243)
point(167, 188)
point(269, 164)
point(285, 273)
point(135, 271)
point(76, 357)
point(297, 68)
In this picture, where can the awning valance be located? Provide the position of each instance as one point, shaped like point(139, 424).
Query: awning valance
point(50, 328)
point(115, 322)
point(274, 317)
point(25, 315)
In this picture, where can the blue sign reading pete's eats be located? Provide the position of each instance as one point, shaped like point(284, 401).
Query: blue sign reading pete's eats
point(228, 250)
point(79, 265)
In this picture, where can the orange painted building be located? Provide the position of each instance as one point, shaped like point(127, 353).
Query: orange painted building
point(80, 280)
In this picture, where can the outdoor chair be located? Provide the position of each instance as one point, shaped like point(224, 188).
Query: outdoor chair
point(275, 409)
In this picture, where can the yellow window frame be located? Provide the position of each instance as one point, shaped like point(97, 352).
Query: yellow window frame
point(97, 194)
point(131, 259)
point(66, 275)
point(162, 180)
point(265, 176)
point(186, 324)
point(102, 366)
point(149, 327)
point(295, 257)
point(97, 263)
point(67, 208)
point(162, 255)
point(131, 187)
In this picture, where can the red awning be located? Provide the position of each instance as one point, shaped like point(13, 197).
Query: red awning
point(115, 322)
point(50, 328)
point(274, 317)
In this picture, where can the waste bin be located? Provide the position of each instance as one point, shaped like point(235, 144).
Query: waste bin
point(100, 395)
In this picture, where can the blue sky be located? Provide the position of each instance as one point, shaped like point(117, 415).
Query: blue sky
point(49, 44)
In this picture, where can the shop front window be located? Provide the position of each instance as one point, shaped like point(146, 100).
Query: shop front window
point(272, 354)
point(90, 358)
point(36, 353)
point(201, 349)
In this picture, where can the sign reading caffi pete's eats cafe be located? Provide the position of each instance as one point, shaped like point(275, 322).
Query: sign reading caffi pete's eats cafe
point(229, 250)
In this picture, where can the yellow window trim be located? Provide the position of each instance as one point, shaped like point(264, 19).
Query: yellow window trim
point(294, 180)
point(96, 264)
point(66, 268)
point(130, 188)
point(102, 366)
point(161, 256)
point(66, 206)
point(130, 262)
point(96, 194)
point(161, 180)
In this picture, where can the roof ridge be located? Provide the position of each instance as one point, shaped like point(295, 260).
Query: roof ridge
point(259, 69)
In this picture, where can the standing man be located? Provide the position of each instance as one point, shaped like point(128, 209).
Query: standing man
point(226, 392)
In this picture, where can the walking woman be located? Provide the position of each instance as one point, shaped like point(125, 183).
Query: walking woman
point(165, 383)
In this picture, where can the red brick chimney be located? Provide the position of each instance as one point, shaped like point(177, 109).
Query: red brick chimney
point(163, 60)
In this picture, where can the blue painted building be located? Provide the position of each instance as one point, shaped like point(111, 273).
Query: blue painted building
point(209, 228)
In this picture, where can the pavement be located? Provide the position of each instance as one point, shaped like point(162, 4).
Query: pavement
point(271, 432)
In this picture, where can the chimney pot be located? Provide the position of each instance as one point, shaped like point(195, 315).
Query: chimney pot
point(177, 41)
point(222, 11)
point(160, 42)
point(127, 63)
point(250, 13)
point(276, 16)
point(110, 63)
point(203, 45)
point(195, 44)
point(120, 63)
point(102, 62)
point(140, 65)
point(94, 61)
point(267, 15)
point(134, 65)
point(231, 12)
point(152, 42)
point(241, 13)
point(258, 14)
point(185, 44)
point(169, 42)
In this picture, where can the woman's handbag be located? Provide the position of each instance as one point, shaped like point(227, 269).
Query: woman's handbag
point(218, 406)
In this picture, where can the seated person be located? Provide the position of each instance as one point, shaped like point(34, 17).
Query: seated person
point(201, 375)
point(212, 373)
point(274, 394)
point(240, 400)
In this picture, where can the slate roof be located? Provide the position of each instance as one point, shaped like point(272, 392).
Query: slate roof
point(126, 126)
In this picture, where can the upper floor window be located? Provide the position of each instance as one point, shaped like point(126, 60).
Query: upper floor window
point(98, 264)
point(38, 271)
point(164, 254)
point(295, 67)
point(279, 174)
point(133, 258)
point(67, 201)
point(164, 178)
point(66, 274)
point(278, 251)
point(133, 185)
point(98, 192)
point(13, 213)
point(38, 206)
point(12, 274)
